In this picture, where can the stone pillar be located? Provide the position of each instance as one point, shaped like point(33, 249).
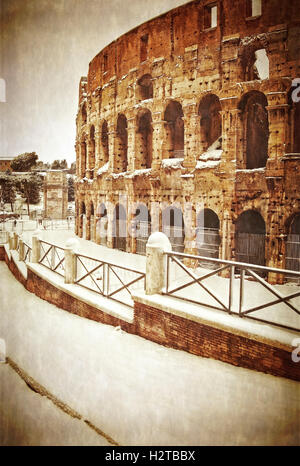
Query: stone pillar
point(157, 244)
point(278, 113)
point(11, 241)
point(110, 221)
point(97, 150)
point(131, 156)
point(232, 131)
point(36, 249)
point(191, 136)
point(111, 145)
point(21, 250)
point(70, 265)
point(190, 223)
point(158, 140)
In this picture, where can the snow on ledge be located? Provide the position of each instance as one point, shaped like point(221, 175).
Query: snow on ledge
point(251, 170)
point(103, 169)
point(209, 164)
point(142, 171)
point(230, 323)
point(172, 163)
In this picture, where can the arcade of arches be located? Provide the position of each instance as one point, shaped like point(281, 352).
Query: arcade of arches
point(207, 151)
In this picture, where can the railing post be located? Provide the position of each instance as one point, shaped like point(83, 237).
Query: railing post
point(11, 241)
point(16, 240)
point(70, 265)
point(242, 283)
point(157, 244)
point(36, 249)
point(21, 250)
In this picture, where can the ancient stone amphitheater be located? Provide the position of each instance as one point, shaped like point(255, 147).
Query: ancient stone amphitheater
point(190, 124)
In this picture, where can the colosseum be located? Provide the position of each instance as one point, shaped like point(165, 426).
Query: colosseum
point(190, 124)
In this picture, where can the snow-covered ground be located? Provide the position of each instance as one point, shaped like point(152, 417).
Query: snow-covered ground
point(137, 392)
point(28, 418)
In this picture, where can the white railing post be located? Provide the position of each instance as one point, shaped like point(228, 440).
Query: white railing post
point(157, 244)
point(11, 241)
point(70, 265)
point(36, 249)
point(21, 250)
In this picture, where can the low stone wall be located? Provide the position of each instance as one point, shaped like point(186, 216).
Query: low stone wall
point(171, 330)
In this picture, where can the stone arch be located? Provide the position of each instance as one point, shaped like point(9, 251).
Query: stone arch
point(210, 122)
point(104, 142)
point(121, 144)
point(255, 120)
point(208, 237)
point(144, 139)
point(92, 147)
point(144, 89)
point(173, 227)
point(250, 238)
point(82, 221)
point(174, 130)
point(254, 59)
point(83, 114)
point(83, 154)
point(142, 227)
point(292, 250)
point(101, 224)
point(119, 227)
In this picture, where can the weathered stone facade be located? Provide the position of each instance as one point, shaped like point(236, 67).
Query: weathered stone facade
point(55, 194)
point(190, 124)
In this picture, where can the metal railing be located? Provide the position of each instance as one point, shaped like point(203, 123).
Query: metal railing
point(233, 299)
point(109, 280)
point(27, 253)
point(52, 257)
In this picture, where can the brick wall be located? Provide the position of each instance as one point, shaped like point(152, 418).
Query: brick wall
point(203, 340)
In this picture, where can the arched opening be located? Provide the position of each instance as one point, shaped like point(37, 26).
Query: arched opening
point(208, 237)
point(144, 140)
point(142, 227)
point(256, 129)
point(83, 115)
point(250, 238)
point(210, 122)
point(292, 254)
point(119, 228)
point(83, 158)
point(173, 227)
point(101, 225)
point(255, 64)
point(92, 146)
point(174, 130)
point(122, 144)
point(90, 227)
point(82, 228)
point(104, 142)
point(145, 88)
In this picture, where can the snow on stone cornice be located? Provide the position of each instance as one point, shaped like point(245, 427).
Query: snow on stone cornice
point(251, 170)
point(214, 151)
point(143, 102)
point(208, 164)
point(103, 169)
point(172, 163)
point(142, 171)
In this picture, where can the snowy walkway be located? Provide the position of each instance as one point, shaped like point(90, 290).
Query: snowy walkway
point(135, 391)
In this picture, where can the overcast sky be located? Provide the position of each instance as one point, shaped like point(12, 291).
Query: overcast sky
point(45, 47)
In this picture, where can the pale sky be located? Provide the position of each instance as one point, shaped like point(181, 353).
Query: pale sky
point(45, 47)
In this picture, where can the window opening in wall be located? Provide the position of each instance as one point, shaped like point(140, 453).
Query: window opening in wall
point(253, 8)
point(145, 88)
point(144, 48)
point(105, 62)
point(261, 64)
point(210, 16)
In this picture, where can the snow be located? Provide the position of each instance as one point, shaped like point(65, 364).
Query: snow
point(142, 171)
point(134, 390)
point(209, 164)
point(18, 408)
point(252, 170)
point(103, 169)
point(172, 163)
